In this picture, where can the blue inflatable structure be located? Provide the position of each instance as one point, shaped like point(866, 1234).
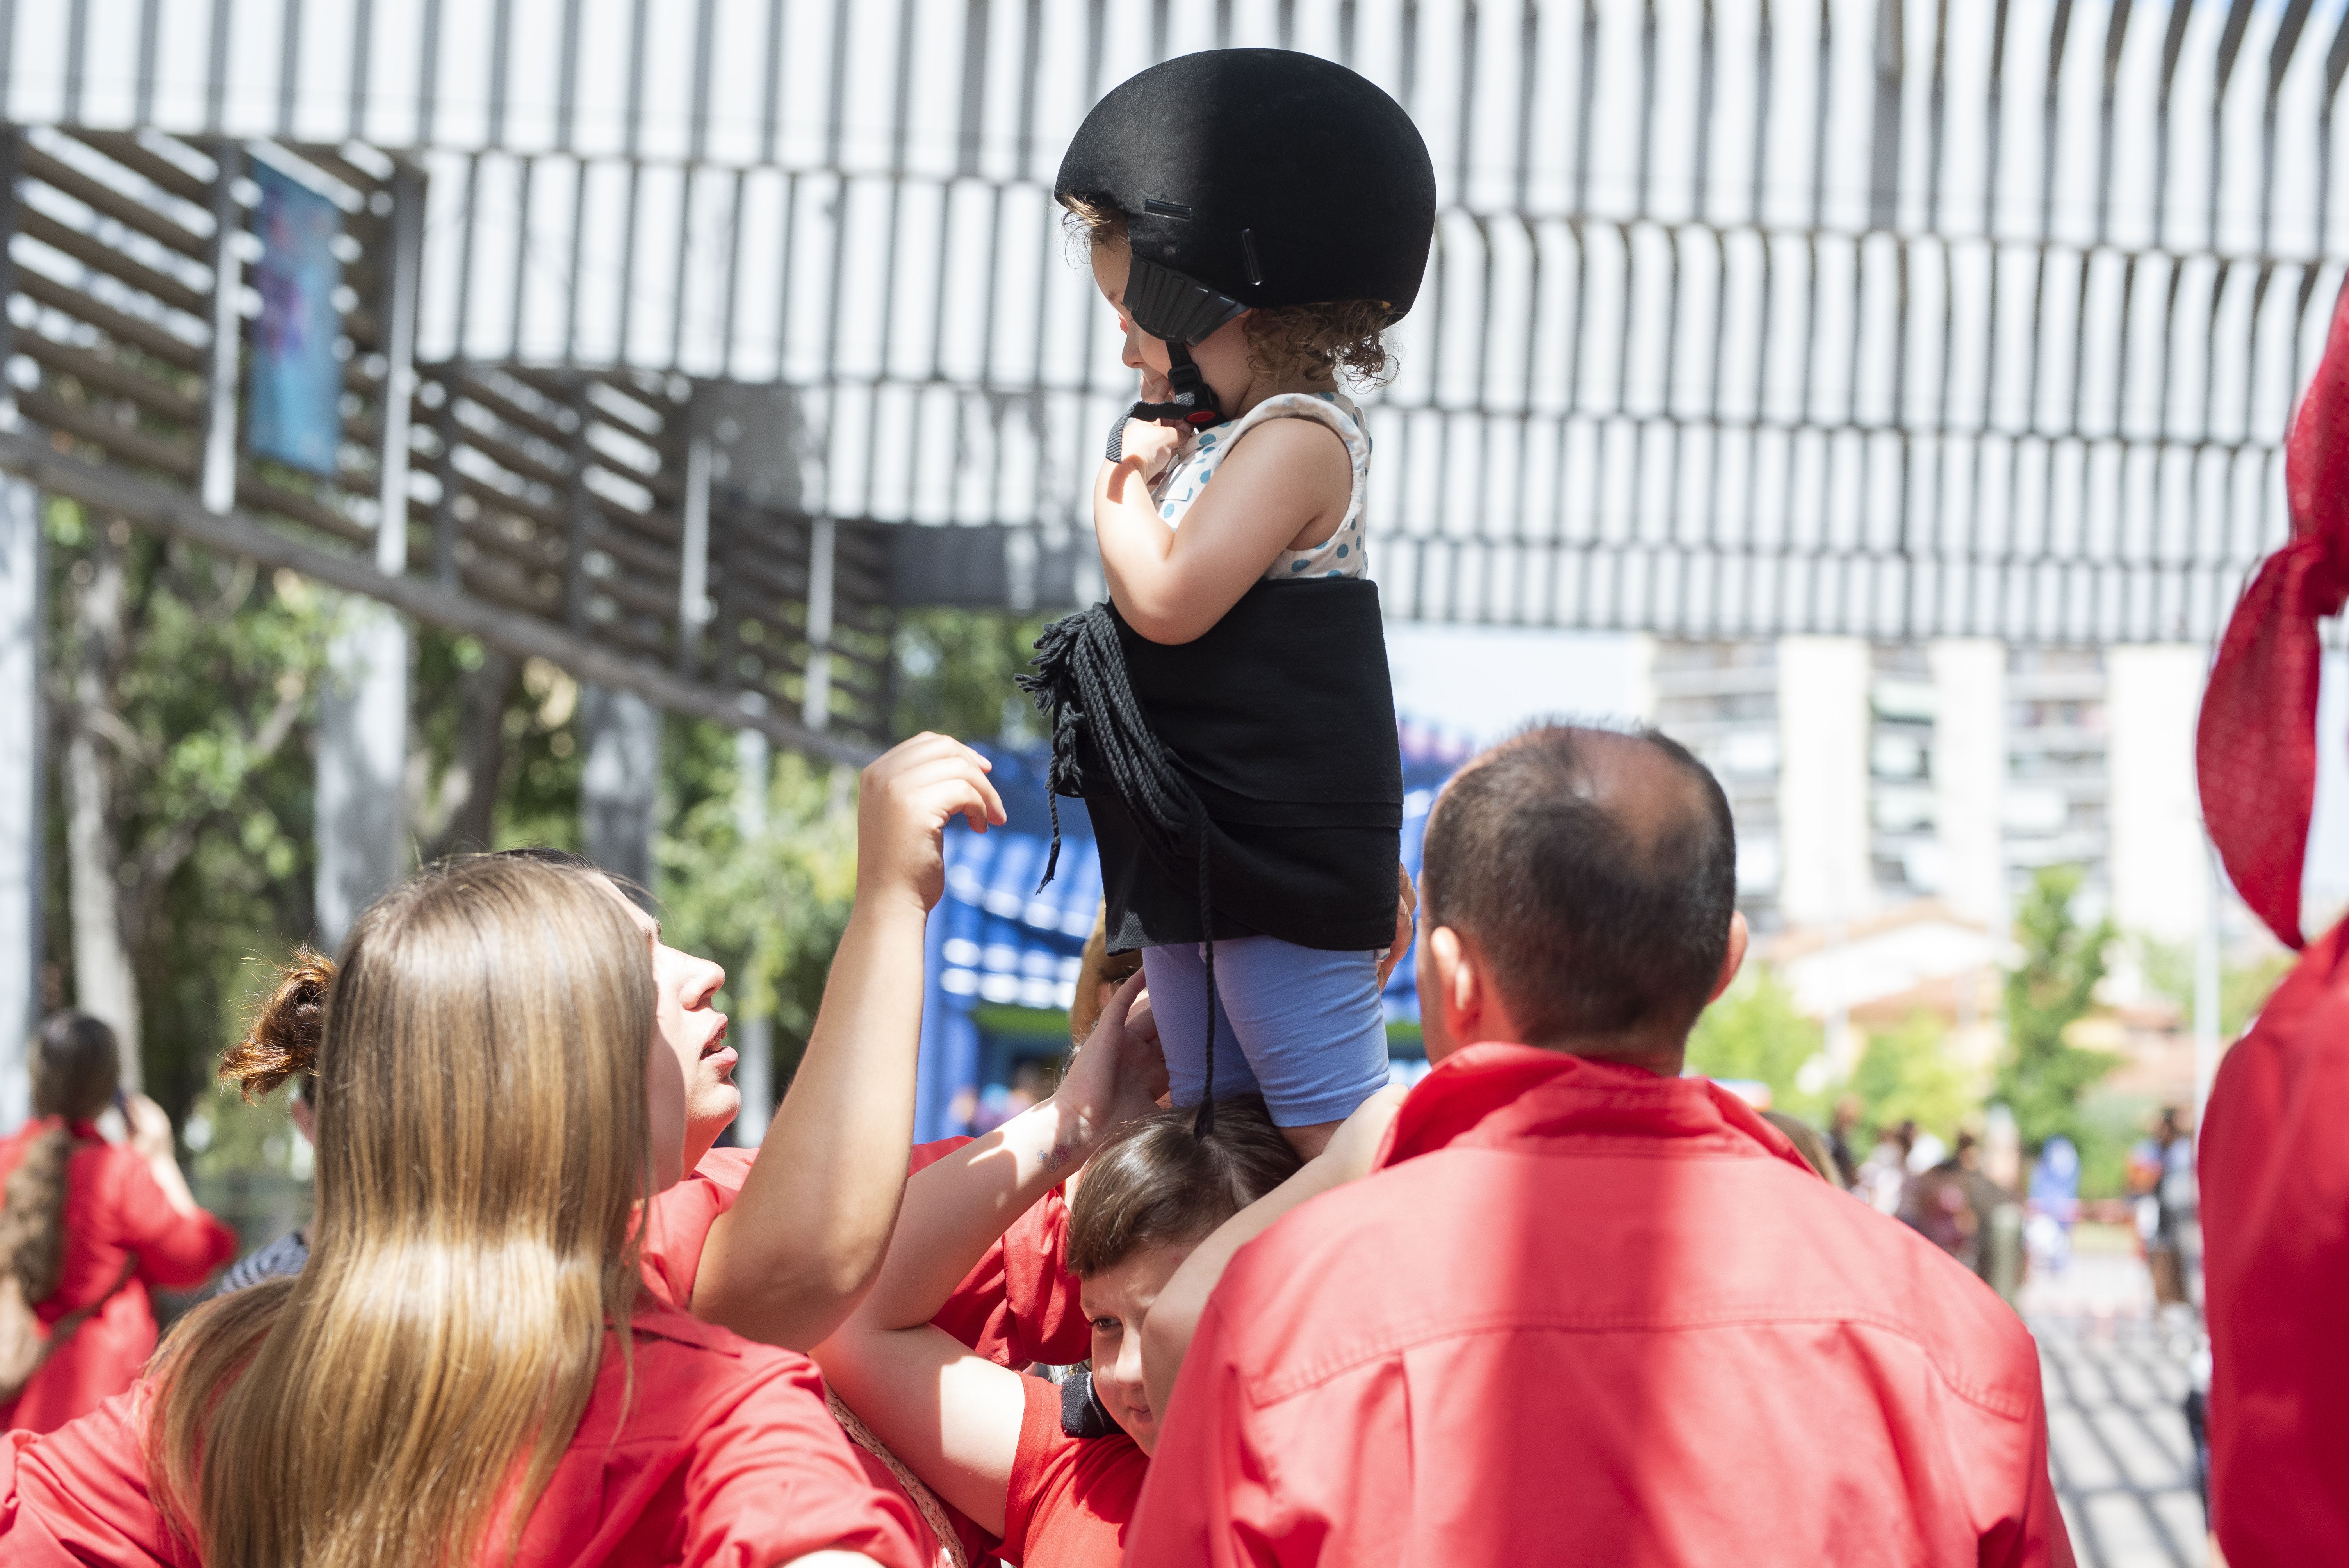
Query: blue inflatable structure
point(1000, 965)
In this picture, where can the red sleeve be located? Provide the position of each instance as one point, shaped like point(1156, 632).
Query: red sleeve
point(677, 1222)
point(772, 1478)
point(1209, 1497)
point(1017, 1305)
point(174, 1249)
point(78, 1496)
point(2035, 1537)
point(1070, 1499)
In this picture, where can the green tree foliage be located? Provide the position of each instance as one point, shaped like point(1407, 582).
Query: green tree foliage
point(954, 670)
point(770, 905)
point(1904, 1075)
point(2044, 1075)
point(1754, 1032)
point(202, 721)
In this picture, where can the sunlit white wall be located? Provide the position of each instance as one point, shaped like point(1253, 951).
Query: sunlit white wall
point(1823, 781)
point(2160, 868)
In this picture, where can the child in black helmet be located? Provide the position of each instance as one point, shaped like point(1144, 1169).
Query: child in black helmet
point(1257, 218)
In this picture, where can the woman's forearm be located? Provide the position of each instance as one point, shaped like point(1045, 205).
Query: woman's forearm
point(174, 1182)
point(957, 1207)
point(789, 1261)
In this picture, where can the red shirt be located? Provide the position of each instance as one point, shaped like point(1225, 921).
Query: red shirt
point(1017, 1306)
point(1585, 1313)
point(1070, 1499)
point(114, 1211)
point(2274, 1168)
point(1019, 1303)
point(677, 1222)
point(724, 1456)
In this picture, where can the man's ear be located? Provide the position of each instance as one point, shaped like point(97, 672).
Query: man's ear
point(1464, 980)
point(1735, 959)
point(1438, 960)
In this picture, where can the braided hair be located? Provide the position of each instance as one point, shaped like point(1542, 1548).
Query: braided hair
point(1081, 683)
point(76, 1067)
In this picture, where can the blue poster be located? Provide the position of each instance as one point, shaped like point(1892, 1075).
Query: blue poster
point(295, 402)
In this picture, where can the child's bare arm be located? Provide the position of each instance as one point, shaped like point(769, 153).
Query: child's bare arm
point(1286, 486)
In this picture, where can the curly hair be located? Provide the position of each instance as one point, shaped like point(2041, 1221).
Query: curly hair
point(281, 1045)
point(1316, 342)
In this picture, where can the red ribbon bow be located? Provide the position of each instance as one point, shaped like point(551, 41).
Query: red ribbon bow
point(2255, 749)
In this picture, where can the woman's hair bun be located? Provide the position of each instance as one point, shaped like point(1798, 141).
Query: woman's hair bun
point(281, 1044)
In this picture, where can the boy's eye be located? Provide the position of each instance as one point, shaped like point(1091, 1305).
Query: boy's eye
point(1106, 1326)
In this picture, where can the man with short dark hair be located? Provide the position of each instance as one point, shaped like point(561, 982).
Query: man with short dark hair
point(1586, 1309)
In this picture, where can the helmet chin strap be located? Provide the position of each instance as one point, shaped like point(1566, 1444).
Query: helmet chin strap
point(1192, 406)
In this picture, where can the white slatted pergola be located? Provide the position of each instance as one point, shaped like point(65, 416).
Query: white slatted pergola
point(1892, 318)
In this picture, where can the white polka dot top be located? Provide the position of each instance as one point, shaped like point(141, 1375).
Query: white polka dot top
point(1340, 555)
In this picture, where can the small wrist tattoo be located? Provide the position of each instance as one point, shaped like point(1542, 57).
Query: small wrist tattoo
point(1057, 1158)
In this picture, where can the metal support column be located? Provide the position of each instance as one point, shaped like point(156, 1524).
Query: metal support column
point(363, 711)
point(219, 481)
point(620, 780)
point(362, 763)
point(754, 1073)
point(21, 622)
point(693, 605)
point(20, 785)
point(815, 708)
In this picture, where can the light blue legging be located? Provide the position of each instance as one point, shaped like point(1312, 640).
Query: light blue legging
point(1300, 1026)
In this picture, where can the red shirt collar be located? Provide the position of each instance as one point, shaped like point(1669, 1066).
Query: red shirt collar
point(1497, 1095)
point(654, 1316)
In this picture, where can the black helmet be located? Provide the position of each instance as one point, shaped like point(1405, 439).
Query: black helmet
point(1252, 178)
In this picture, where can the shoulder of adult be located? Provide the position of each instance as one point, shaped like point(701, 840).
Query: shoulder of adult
point(769, 1473)
point(1362, 1271)
point(1305, 1279)
point(690, 1375)
point(1973, 1340)
point(80, 1495)
point(656, 1324)
point(1077, 1494)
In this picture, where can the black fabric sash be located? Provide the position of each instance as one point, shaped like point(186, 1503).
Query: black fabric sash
point(1279, 723)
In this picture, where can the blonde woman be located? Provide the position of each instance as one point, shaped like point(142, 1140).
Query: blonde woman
point(442, 1383)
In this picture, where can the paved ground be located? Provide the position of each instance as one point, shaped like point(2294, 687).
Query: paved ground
point(2115, 1373)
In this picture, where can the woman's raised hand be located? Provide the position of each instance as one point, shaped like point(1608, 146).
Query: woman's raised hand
point(1119, 1073)
point(151, 1138)
point(149, 1126)
point(904, 801)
